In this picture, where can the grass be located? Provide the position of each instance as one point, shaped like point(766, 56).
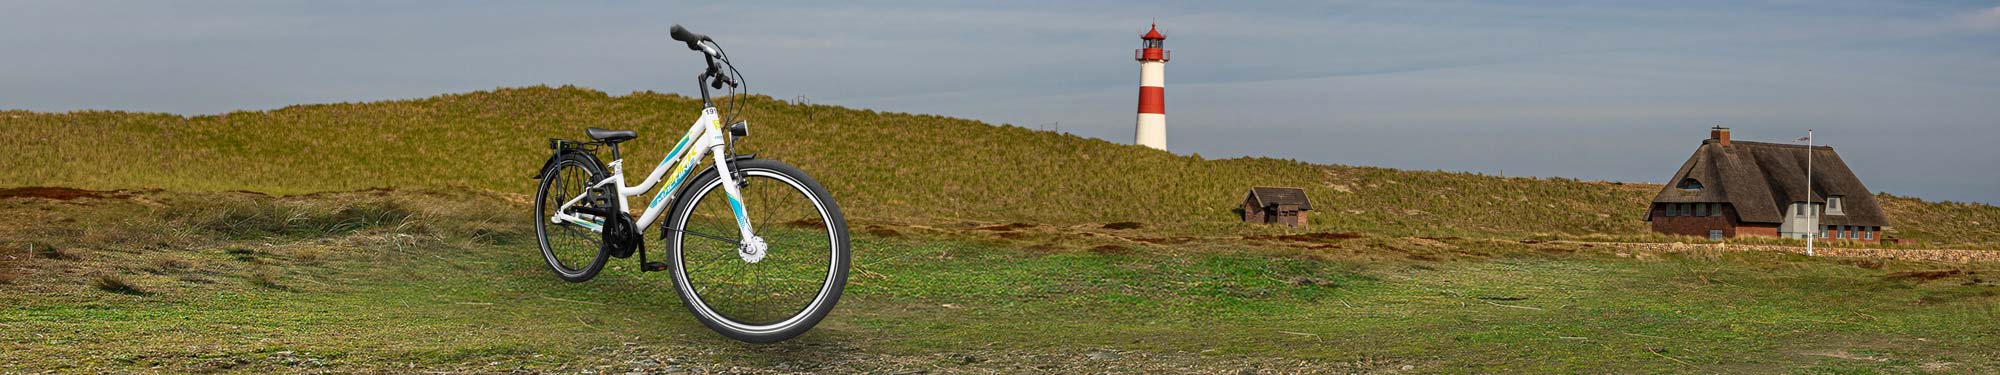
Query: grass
point(455, 286)
point(884, 167)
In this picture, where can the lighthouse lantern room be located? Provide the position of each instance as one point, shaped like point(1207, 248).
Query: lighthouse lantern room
point(1151, 129)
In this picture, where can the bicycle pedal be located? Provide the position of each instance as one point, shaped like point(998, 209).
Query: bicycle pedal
point(653, 267)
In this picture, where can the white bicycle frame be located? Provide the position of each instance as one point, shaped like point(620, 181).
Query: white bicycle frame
point(706, 136)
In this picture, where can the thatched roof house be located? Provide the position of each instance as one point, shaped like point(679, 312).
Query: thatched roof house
point(1730, 188)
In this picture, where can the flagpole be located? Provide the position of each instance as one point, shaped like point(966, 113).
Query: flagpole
point(1812, 215)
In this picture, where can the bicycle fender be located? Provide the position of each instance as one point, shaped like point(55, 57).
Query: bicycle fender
point(558, 155)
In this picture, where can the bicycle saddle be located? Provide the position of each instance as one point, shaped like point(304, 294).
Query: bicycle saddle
point(611, 136)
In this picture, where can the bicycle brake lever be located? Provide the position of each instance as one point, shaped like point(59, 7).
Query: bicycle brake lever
point(722, 79)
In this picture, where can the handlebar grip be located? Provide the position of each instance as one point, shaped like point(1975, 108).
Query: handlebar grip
point(692, 39)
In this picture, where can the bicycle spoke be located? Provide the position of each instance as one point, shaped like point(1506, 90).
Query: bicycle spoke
point(763, 204)
point(712, 237)
point(780, 286)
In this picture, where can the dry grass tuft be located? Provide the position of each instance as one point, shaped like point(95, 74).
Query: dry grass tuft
point(265, 278)
point(243, 254)
point(165, 264)
point(307, 256)
point(46, 251)
point(116, 284)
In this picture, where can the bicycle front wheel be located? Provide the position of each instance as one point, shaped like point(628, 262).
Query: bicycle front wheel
point(797, 280)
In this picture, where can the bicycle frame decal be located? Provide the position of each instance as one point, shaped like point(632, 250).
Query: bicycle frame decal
point(705, 136)
point(681, 171)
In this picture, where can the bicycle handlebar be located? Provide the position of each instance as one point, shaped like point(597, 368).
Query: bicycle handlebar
point(692, 39)
point(714, 76)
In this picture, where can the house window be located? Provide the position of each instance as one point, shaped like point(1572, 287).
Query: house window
point(1833, 205)
point(1868, 235)
point(1823, 231)
point(1799, 209)
point(1689, 184)
point(1714, 234)
point(1700, 209)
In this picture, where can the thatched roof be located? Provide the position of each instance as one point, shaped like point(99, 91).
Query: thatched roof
point(1268, 196)
point(1761, 179)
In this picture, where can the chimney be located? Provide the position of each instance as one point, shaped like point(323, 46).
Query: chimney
point(1719, 134)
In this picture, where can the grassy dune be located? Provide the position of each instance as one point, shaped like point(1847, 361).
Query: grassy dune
point(889, 167)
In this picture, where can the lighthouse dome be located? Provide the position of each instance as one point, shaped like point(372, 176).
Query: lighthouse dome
point(1153, 33)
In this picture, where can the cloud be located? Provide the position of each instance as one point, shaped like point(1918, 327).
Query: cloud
point(1983, 20)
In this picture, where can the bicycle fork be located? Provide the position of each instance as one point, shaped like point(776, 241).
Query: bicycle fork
point(752, 248)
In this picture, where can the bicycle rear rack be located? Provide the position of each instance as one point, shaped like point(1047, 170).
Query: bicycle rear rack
point(558, 144)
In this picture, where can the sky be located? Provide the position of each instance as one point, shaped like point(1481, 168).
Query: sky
point(1908, 92)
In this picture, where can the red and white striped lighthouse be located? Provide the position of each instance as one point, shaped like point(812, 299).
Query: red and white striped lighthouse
point(1151, 130)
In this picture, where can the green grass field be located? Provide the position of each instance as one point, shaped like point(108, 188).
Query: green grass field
point(398, 242)
point(448, 281)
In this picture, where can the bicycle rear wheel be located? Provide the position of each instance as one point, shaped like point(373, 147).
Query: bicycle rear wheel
point(796, 282)
point(573, 252)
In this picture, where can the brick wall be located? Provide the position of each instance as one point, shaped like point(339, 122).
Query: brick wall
point(1252, 213)
point(1759, 230)
point(1698, 226)
point(1858, 234)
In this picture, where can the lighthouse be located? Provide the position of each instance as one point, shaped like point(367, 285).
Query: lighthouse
point(1151, 129)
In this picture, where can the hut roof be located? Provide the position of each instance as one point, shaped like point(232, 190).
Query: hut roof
point(1761, 179)
point(1268, 196)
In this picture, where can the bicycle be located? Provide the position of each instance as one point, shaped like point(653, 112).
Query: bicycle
point(761, 284)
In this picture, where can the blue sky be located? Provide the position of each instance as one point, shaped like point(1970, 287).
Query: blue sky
point(1909, 92)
